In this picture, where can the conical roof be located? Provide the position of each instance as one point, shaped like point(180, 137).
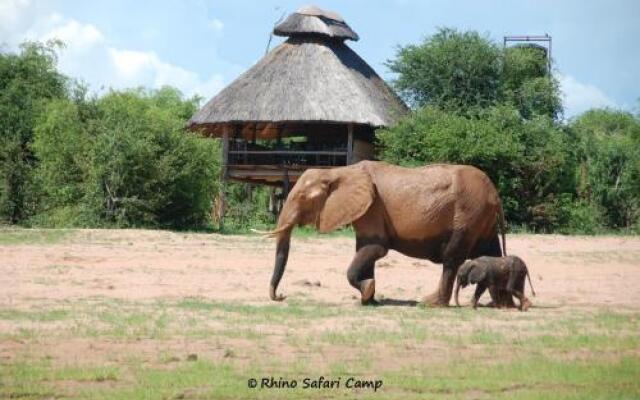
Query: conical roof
point(306, 79)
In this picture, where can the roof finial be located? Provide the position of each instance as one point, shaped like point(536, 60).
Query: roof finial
point(314, 21)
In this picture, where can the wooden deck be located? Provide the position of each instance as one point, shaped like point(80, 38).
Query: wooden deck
point(268, 174)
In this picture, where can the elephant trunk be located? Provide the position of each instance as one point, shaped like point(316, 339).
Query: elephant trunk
point(282, 254)
point(286, 222)
point(456, 293)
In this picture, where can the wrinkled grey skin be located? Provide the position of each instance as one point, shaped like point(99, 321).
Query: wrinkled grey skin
point(503, 276)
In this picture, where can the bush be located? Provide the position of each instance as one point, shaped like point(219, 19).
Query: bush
point(579, 216)
point(609, 171)
point(28, 80)
point(130, 163)
point(247, 207)
point(528, 160)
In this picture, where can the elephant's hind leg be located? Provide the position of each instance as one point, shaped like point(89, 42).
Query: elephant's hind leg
point(361, 271)
point(455, 253)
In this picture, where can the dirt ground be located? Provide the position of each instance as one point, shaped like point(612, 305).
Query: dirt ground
point(143, 265)
point(105, 297)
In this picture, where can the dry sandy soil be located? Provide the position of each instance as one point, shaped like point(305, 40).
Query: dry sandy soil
point(145, 265)
point(103, 297)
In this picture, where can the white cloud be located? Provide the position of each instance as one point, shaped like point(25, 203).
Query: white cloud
point(90, 56)
point(73, 33)
point(216, 25)
point(146, 68)
point(579, 97)
point(15, 15)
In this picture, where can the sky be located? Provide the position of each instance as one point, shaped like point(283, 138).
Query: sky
point(201, 46)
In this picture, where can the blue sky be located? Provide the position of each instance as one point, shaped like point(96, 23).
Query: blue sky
point(200, 46)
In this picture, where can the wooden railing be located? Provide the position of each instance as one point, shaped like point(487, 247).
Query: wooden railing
point(288, 157)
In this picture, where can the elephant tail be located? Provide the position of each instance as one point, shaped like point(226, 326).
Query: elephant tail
point(502, 230)
point(530, 284)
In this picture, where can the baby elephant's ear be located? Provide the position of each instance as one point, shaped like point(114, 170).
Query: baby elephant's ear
point(478, 273)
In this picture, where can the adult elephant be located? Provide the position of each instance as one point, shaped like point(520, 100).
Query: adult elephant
point(443, 213)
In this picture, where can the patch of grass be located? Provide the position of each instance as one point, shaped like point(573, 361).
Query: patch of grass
point(530, 378)
point(289, 310)
point(487, 336)
point(25, 380)
point(588, 342)
point(12, 314)
point(20, 236)
point(616, 320)
point(134, 324)
point(86, 373)
point(456, 353)
point(22, 334)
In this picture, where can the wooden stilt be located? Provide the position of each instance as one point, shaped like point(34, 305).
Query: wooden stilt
point(225, 176)
point(349, 144)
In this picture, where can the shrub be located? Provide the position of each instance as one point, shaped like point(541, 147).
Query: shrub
point(609, 171)
point(27, 81)
point(528, 160)
point(129, 163)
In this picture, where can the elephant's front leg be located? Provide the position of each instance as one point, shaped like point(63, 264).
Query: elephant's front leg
point(361, 271)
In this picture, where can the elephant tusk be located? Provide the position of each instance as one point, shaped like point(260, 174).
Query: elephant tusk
point(270, 234)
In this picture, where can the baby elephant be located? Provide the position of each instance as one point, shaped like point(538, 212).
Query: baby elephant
point(503, 276)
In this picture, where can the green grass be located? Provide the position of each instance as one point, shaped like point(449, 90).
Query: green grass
point(417, 352)
point(11, 314)
point(289, 310)
point(20, 236)
point(527, 378)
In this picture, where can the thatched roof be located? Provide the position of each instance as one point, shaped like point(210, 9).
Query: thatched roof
point(312, 20)
point(307, 79)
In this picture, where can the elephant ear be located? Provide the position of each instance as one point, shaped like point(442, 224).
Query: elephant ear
point(350, 195)
point(478, 273)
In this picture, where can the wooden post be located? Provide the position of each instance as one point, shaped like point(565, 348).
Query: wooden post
point(225, 174)
point(349, 144)
point(286, 185)
point(225, 153)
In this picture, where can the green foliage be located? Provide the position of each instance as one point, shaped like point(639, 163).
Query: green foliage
point(499, 110)
point(247, 207)
point(451, 69)
point(463, 71)
point(526, 83)
point(126, 162)
point(522, 63)
point(527, 159)
point(124, 159)
point(62, 145)
point(27, 81)
point(609, 171)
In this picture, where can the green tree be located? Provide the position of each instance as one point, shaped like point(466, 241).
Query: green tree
point(28, 80)
point(529, 160)
point(464, 71)
point(609, 164)
point(146, 170)
point(62, 145)
point(452, 70)
point(527, 84)
point(124, 159)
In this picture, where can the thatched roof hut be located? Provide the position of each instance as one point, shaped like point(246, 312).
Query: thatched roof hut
point(312, 85)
